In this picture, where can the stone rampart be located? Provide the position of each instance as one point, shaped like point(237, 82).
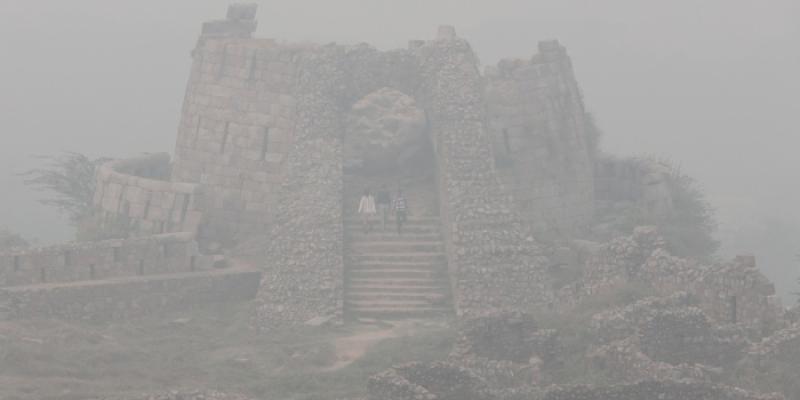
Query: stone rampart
point(236, 130)
point(494, 260)
point(135, 197)
point(542, 140)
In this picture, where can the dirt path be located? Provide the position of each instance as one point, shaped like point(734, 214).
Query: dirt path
point(351, 348)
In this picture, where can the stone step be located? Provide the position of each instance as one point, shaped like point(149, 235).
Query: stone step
point(431, 289)
point(419, 257)
point(396, 276)
point(398, 265)
point(391, 222)
point(356, 220)
point(396, 282)
point(378, 297)
point(403, 304)
point(395, 315)
point(397, 246)
point(390, 235)
point(397, 273)
point(392, 229)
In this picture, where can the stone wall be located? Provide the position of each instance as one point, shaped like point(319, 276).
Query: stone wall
point(303, 93)
point(542, 141)
point(494, 261)
point(134, 197)
point(662, 390)
point(507, 350)
point(123, 298)
point(783, 343)
point(732, 292)
point(264, 129)
point(152, 255)
point(664, 338)
point(180, 395)
point(304, 260)
point(236, 130)
point(432, 381)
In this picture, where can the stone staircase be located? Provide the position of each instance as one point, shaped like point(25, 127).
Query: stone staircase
point(390, 276)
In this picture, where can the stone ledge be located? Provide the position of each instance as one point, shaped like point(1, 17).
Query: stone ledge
point(121, 298)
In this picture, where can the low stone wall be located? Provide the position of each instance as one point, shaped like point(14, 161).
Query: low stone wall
point(180, 395)
point(507, 350)
point(509, 336)
point(135, 196)
point(625, 361)
point(662, 390)
point(733, 292)
point(121, 298)
point(622, 322)
point(432, 381)
point(152, 255)
point(783, 344)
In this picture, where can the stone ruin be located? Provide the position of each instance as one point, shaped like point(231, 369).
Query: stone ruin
point(435, 381)
point(686, 341)
point(182, 395)
point(733, 292)
point(656, 390)
point(664, 338)
point(277, 140)
point(117, 279)
point(506, 349)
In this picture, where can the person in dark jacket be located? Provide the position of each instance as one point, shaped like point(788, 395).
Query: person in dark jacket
point(400, 211)
point(384, 201)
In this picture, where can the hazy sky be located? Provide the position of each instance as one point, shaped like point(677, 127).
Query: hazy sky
point(711, 84)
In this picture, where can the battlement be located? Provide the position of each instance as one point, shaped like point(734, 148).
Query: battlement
point(240, 22)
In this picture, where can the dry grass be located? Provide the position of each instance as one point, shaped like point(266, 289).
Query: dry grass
point(211, 348)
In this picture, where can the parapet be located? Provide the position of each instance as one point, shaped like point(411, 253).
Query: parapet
point(550, 51)
point(239, 23)
point(446, 32)
point(107, 259)
point(135, 195)
point(242, 12)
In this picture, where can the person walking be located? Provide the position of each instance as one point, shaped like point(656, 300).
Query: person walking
point(400, 210)
point(384, 202)
point(366, 208)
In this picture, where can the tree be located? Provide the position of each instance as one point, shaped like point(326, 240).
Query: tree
point(69, 178)
point(690, 230)
point(680, 211)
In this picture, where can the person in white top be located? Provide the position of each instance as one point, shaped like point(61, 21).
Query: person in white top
point(366, 208)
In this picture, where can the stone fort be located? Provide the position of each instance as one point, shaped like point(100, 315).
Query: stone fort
point(277, 141)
